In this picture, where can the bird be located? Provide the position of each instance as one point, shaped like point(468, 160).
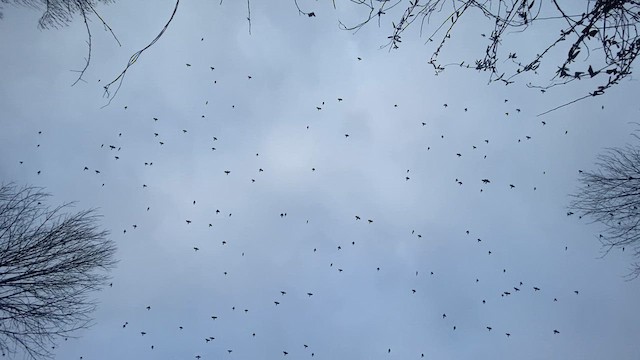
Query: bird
point(283, 292)
point(556, 331)
point(227, 172)
point(536, 288)
point(486, 181)
point(148, 307)
point(489, 328)
point(188, 221)
point(195, 248)
point(277, 303)
point(507, 334)
point(309, 294)
point(143, 333)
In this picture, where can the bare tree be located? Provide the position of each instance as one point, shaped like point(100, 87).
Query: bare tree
point(605, 33)
point(610, 196)
point(50, 263)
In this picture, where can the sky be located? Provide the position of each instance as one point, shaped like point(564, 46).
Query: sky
point(268, 103)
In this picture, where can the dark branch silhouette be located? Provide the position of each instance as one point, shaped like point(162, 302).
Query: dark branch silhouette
point(134, 58)
point(605, 33)
point(610, 196)
point(50, 263)
point(59, 13)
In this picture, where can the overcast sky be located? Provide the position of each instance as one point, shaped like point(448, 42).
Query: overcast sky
point(418, 235)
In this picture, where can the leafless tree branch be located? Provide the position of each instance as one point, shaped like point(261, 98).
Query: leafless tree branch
point(610, 196)
point(50, 263)
point(607, 28)
point(134, 58)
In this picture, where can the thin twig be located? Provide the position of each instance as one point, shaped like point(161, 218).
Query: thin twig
point(249, 15)
point(134, 58)
point(88, 58)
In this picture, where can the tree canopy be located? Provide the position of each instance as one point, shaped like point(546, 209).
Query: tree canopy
point(50, 263)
